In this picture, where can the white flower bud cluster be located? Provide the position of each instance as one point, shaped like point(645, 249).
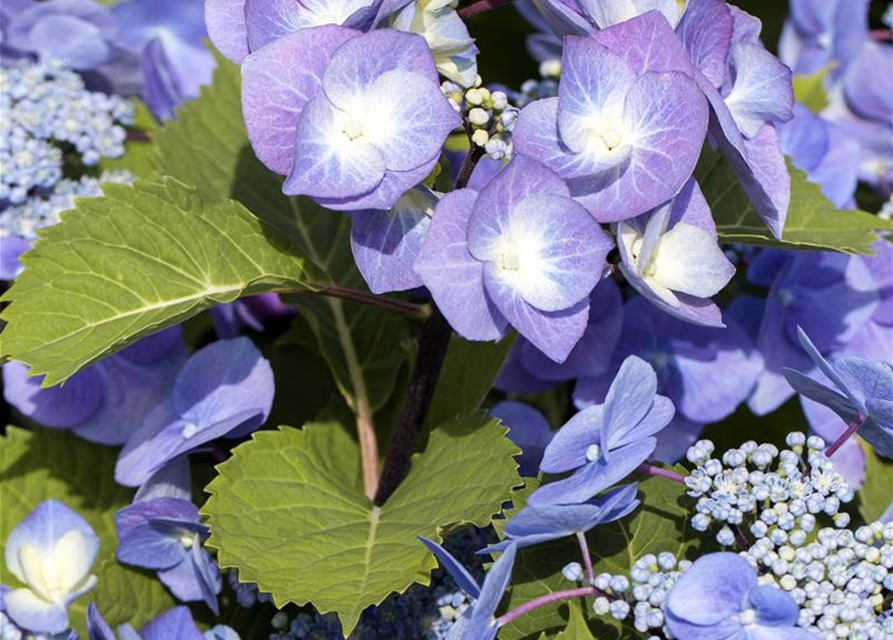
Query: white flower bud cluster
point(489, 114)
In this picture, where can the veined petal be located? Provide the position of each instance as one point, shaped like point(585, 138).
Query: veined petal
point(567, 449)
point(269, 20)
point(225, 20)
point(689, 260)
point(628, 401)
point(706, 32)
point(762, 92)
point(647, 42)
point(327, 163)
point(536, 136)
point(712, 590)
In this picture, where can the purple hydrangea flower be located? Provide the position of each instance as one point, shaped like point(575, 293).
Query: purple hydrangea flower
point(536, 524)
point(821, 32)
point(167, 35)
point(719, 597)
point(106, 402)
point(11, 248)
point(387, 243)
point(478, 621)
point(604, 443)
point(529, 370)
point(224, 390)
point(828, 155)
point(861, 388)
point(260, 313)
point(749, 91)
point(528, 429)
point(165, 535)
point(173, 623)
point(672, 257)
point(520, 252)
point(691, 364)
point(570, 17)
point(50, 552)
point(622, 151)
point(357, 125)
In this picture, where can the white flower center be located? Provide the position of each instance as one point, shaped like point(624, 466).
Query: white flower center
point(593, 452)
point(747, 617)
point(189, 430)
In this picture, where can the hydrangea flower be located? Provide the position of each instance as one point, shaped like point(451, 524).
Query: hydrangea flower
point(579, 18)
point(622, 151)
point(719, 597)
point(357, 125)
point(173, 623)
point(862, 388)
point(259, 313)
point(167, 35)
point(537, 524)
point(749, 91)
point(520, 252)
point(529, 370)
point(105, 402)
point(165, 535)
point(818, 34)
point(528, 429)
point(604, 443)
point(386, 243)
point(691, 364)
point(671, 256)
point(224, 390)
point(50, 552)
point(478, 621)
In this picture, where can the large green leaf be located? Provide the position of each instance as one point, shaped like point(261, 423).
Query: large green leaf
point(812, 222)
point(876, 494)
point(288, 511)
point(659, 524)
point(131, 263)
point(44, 464)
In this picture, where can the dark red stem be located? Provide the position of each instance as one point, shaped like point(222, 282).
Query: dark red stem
point(481, 7)
point(850, 430)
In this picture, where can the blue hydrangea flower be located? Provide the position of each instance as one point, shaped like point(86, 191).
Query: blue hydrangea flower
point(862, 388)
point(520, 252)
point(259, 313)
point(107, 401)
point(478, 621)
point(622, 151)
point(167, 35)
point(818, 34)
point(173, 623)
point(165, 535)
point(224, 390)
point(357, 125)
point(719, 597)
point(604, 443)
point(536, 524)
point(528, 429)
point(671, 256)
point(749, 91)
point(50, 552)
point(580, 18)
point(691, 364)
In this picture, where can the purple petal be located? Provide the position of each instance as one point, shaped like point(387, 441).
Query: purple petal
point(227, 29)
point(10, 249)
point(459, 573)
point(706, 31)
point(630, 397)
point(31, 612)
point(674, 441)
point(712, 590)
point(452, 274)
point(868, 92)
point(393, 186)
point(514, 377)
point(536, 136)
point(269, 20)
point(647, 42)
point(762, 92)
point(386, 244)
point(97, 627)
point(528, 429)
point(173, 623)
point(567, 449)
point(84, 46)
point(275, 90)
point(174, 480)
point(496, 582)
point(58, 407)
point(209, 578)
point(151, 547)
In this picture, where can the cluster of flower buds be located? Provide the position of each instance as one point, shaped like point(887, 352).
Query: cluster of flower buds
point(488, 113)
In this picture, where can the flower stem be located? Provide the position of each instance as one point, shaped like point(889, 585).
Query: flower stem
point(400, 307)
point(481, 7)
point(654, 470)
point(850, 430)
point(546, 599)
point(878, 35)
point(587, 557)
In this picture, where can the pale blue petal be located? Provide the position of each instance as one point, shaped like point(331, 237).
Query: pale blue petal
point(762, 92)
point(460, 574)
point(225, 20)
point(567, 449)
point(712, 589)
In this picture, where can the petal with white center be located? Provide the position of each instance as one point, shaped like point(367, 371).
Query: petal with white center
point(689, 260)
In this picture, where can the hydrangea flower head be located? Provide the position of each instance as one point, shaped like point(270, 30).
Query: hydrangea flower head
point(863, 388)
point(224, 390)
point(672, 257)
point(605, 443)
point(173, 623)
point(623, 151)
point(165, 535)
point(357, 125)
point(818, 34)
point(50, 552)
point(579, 18)
point(520, 252)
point(719, 597)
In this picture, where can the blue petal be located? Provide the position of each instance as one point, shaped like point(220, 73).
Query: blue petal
point(528, 429)
point(463, 579)
point(173, 623)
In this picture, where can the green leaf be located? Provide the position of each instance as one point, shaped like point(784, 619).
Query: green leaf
point(288, 510)
point(809, 90)
point(128, 595)
point(577, 628)
point(44, 464)
point(132, 263)
point(467, 376)
point(812, 223)
point(876, 493)
point(659, 524)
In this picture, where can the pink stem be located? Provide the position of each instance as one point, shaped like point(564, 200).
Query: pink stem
point(546, 599)
point(481, 7)
point(880, 34)
point(653, 470)
point(587, 557)
point(218, 453)
point(850, 430)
